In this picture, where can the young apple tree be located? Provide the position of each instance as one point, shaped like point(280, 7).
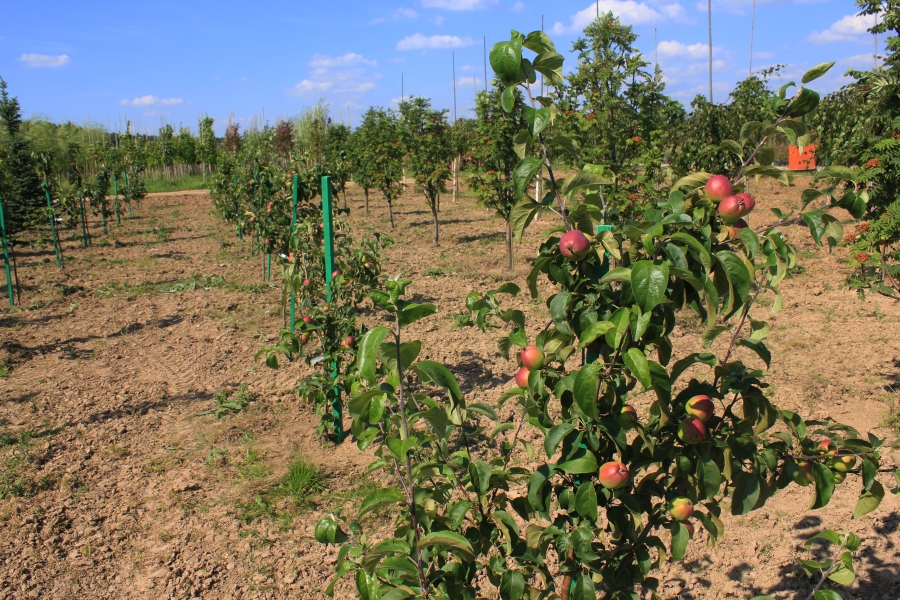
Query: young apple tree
point(380, 142)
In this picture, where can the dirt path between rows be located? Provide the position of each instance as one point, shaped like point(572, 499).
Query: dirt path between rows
point(113, 486)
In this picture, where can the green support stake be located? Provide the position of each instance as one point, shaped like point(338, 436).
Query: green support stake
point(295, 182)
point(116, 195)
point(9, 283)
point(268, 266)
point(84, 233)
point(327, 221)
point(125, 178)
point(53, 227)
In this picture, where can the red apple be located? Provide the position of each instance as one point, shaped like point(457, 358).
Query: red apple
point(307, 319)
point(681, 508)
point(522, 377)
point(335, 273)
point(369, 265)
point(730, 209)
point(574, 245)
point(826, 446)
point(348, 341)
point(251, 219)
point(532, 357)
point(304, 338)
point(804, 476)
point(691, 431)
point(701, 407)
point(613, 475)
point(307, 282)
point(629, 413)
point(749, 202)
point(718, 187)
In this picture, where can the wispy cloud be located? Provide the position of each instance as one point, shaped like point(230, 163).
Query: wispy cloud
point(346, 74)
point(629, 11)
point(459, 4)
point(422, 42)
point(150, 100)
point(351, 59)
point(679, 50)
point(852, 28)
point(37, 61)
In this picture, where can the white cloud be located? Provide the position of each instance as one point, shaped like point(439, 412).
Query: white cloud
point(851, 28)
point(679, 50)
point(150, 100)
point(439, 20)
point(36, 61)
point(420, 42)
point(459, 4)
point(629, 11)
point(405, 13)
point(468, 82)
point(763, 55)
point(351, 59)
point(308, 88)
point(355, 87)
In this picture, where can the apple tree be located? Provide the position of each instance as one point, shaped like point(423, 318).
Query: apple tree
point(379, 141)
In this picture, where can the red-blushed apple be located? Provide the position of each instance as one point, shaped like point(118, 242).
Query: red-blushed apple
point(613, 475)
point(681, 508)
point(826, 446)
point(335, 273)
point(574, 245)
point(369, 265)
point(804, 476)
point(691, 431)
point(730, 209)
point(749, 202)
point(348, 341)
point(304, 338)
point(522, 377)
point(532, 357)
point(690, 527)
point(700, 406)
point(251, 219)
point(629, 413)
point(718, 187)
point(307, 319)
point(842, 464)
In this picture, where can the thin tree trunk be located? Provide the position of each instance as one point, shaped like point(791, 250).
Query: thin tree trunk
point(391, 213)
point(509, 254)
point(434, 216)
point(455, 179)
point(366, 192)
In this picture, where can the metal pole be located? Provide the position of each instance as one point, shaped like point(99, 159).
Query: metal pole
point(327, 220)
point(401, 87)
point(53, 226)
point(484, 40)
point(453, 59)
point(709, 26)
point(295, 183)
point(116, 196)
point(752, 27)
point(9, 283)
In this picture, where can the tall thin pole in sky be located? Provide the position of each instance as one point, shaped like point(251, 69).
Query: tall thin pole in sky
point(752, 26)
point(598, 9)
point(485, 63)
point(875, 53)
point(401, 87)
point(709, 26)
point(655, 51)
point(542, 75)
point(453, 59)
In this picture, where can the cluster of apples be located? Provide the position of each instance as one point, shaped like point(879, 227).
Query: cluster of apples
point(841, 463)
point(532, 358)
point(699, 409)
point(731, 207)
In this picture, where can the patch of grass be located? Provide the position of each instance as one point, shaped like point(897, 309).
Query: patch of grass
point(435, 273)
point(253, 466)
point(4, 369)
point(462, 319)
point(195, 282)
point(226, 405)
point(18, 464)
point(297, 492)
point(892, 417)
point(303, 478)
point(189, 182)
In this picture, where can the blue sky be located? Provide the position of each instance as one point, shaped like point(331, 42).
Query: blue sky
point(148, 61)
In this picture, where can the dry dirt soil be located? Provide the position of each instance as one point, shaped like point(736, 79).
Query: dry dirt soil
point(115, 485)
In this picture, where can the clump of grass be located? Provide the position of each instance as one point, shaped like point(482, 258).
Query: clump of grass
point(303, 478)
point(302, 484)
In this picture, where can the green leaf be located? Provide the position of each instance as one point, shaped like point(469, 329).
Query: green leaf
point(691, 182)
point(594, 331)
point(449, 541)
point(537, 120)
point(827, 595)
point(558, 305)
point(415, 312)
point(480, 472)
point(697, 249)
point(586, 501)
point(583, 464)
point(521, 216)
point(621, 274)
point(710, 476)
point(555, 435)
point(506, 61)
point(429, 370)
point(622, 320)
point(869, 500)
point(408, 354)
point(648, 283)
point(682, 365)
point(638, 365)
point(368, 351)
point(759, 348)
point(711, 333)
point(680, 539)
point(438, 420)
point(746, 493)
point(584, 389)
point(824, 480)
point(816, 72)
point(524, 173)
point(379, 499)
point(583, 588)
point(512, 585)
point(535, 485)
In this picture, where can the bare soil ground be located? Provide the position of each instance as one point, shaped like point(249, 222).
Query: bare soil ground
point(113, 486)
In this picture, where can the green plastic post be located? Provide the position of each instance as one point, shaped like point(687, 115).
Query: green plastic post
point(599, 272)
point(9, 284)
point(295, 182)
point(268, 266)
point(327, 221)
point(53, 227)
point(116, 195)
point(125, 178)
point(84, 233)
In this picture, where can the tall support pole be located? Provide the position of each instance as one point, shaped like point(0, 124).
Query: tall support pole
point(84, 230)
point(125, 179)
point(56, 247)
point(294, 184)
point(453, 60)
point(752, 27)
point(327, 220)
point(9, 282)
point(484, 41)
point(709, 27)
point(116, 196)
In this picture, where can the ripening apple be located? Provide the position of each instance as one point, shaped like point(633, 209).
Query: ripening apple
point(730, 209)
point(307, 282)
point(691, 431)
point(749, 202)
point(700, 406)
point(681, 508)
point(251, 219)
point(826, 446)
point(840, 476)
point(613, 475)
point(348, 341)
point(718, 187)
point(304, 338)
point(522, 377)
point(574, 245)
point(532, 357)
point(629, 413)
point(335, 273)
point(804, 476)
point(369, 265)
point(307, 319)
point(842, 464)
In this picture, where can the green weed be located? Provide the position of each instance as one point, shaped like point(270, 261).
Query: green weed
point(226, 405)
